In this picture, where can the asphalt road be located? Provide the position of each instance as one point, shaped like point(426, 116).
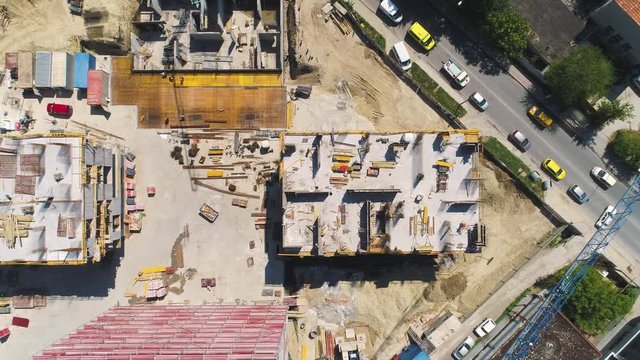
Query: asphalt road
point(508, 103)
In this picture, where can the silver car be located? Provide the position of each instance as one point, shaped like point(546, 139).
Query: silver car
point(391, 10)
point(463, 349)
point(479, 101)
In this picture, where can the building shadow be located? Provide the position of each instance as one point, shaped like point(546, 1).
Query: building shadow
point(315, 272)
point(65, 280)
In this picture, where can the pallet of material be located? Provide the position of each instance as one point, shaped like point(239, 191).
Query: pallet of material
point(338, 180)
point(343, 152)
point(215, 152)
point(240, 202)
point(384, 164)
point(215, 173)
point(342, 158)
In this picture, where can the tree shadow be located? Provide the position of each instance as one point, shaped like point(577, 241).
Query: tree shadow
point(439, 26)
point(622, 170)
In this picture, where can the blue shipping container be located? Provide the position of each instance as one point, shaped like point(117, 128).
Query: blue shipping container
point(82, 63)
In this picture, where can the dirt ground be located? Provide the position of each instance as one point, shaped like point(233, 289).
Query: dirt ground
point(48, 25)
point(389, 307)
point(346, 67)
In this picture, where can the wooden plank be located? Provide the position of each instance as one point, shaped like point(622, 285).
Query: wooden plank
point(221, 177)
point(224, 191)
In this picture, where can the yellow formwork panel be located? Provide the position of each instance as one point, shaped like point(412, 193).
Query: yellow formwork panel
point(291, 110)
point(226, 79)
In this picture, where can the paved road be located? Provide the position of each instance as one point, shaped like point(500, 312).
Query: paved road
point(508, 102)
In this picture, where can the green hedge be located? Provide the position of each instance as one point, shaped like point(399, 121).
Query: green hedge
point(421, 77)
point(449, 103)
point(513, 163)
point(439, 94)
point(372, 33)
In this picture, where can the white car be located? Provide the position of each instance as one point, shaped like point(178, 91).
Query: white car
point(463, 349)
point(391, 10)
point(479, 101)
point(606, 218)
point(603, 176)
point(485, 327)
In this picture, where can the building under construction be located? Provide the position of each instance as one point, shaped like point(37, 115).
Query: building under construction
point(207, 35)
point(60, 200)
point(361, 193)
point(178, 332)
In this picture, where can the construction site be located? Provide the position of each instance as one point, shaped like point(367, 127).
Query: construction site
point(62, 199)
point(207, 35)
point(242, 196)
point(403, 193)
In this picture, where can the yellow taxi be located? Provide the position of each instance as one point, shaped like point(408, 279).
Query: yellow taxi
point(554, 169)
point(422, 36)
point(540, 116)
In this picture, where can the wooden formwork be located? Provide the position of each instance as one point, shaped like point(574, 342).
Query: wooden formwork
point(186, 103)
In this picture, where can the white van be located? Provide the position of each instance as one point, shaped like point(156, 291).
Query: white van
point(402, 55)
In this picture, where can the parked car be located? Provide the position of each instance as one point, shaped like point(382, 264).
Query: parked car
point(577, 194)
point(519, 140)
point(534, 175)
point(553, 169)
point(540, 116)
point(485, 327)
point(59, 109)
point(603, 176)
point(463, 349)
point(391, 10)
point(399, 51)
point(606, 218)
point(479, 101)
point(422, 36)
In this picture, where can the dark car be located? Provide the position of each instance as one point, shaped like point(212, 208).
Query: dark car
point(59, 109)
point(578, 194)
point(520, 141)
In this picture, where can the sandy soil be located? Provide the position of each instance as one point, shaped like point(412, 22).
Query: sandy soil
point(389, 308)
point(36, 25)
point(48, 24)
point(347, 67)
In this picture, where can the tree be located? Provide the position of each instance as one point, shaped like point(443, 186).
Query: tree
point(597, 301)
point(501, 22)
point(508, 30)
point(626, 145)
point(609, 112)
point(584, 73)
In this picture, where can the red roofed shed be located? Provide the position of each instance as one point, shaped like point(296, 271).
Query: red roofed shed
point(97, 88)
point(252, 332)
